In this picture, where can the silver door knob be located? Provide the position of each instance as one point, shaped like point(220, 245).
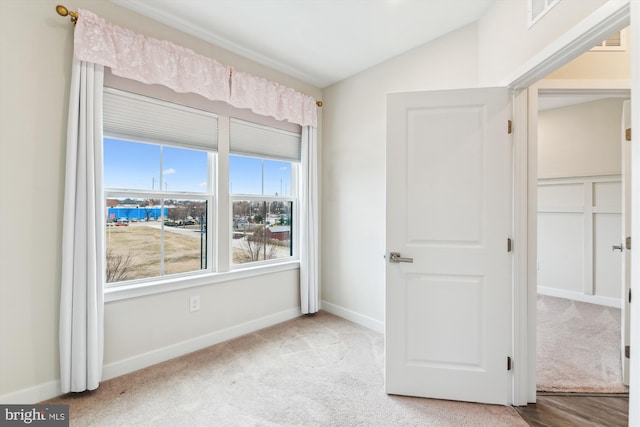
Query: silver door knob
point(396, 258)
point(617, 247)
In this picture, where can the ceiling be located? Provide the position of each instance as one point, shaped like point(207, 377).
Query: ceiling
point(317, 41)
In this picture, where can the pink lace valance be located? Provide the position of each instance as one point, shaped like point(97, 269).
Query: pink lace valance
point(271, 99)
point(153, 61)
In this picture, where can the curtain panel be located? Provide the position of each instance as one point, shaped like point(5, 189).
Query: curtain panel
point(81, 299)
point(309, 245)
point(97, 44)
point(135, 56)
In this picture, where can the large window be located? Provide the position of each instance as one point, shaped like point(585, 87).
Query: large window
point(161, 162)
point(158, 181)
point(157, 200)
point(262, 206)
point(263, 170)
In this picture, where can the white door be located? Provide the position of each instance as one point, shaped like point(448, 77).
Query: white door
point(448, 313)
point(626, 232)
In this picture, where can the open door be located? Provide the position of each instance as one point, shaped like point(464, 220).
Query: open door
point(626, 239)
point(449, 218)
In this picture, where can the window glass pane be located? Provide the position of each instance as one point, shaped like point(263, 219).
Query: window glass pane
point(261, 230)
point(131, 165)
point(146, 238)
point(277, 178)
point(245, 175)
point(185, 236)
point(184, 170)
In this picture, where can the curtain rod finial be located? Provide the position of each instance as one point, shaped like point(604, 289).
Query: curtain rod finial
point(319, 103)
point(63, 11)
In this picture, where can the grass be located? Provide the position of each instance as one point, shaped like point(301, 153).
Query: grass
point(142, 244)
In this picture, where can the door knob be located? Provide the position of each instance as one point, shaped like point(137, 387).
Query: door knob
point(617, 247)
point(396, 258)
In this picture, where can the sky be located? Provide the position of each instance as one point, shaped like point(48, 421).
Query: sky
point(137, 166)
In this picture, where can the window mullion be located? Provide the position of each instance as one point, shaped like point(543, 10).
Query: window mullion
point(223, 205)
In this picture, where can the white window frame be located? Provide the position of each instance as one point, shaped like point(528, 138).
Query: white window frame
point(295, 218)
point(216, 221)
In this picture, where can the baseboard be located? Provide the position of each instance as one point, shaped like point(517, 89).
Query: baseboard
point(577, 296)
point(141, 361)
point(33, 394)
point(52, 389)
point(353, 316)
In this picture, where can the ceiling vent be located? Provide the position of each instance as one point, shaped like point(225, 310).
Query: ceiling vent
point(538, 8)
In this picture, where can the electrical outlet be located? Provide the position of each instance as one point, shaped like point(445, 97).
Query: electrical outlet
point(194, 303)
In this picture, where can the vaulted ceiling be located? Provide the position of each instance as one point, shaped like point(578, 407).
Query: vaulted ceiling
point(317, 41)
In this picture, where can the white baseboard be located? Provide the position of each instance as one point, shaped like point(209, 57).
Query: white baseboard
point(51, 389)
point(33, 394)
point(354, 317)
point(577, 296)
point(144, 360)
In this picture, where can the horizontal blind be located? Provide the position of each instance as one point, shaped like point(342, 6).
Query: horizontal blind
point(131, 116)
point(250, 139)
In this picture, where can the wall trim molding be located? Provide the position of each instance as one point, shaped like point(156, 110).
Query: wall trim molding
point(150, 358)
point(52, 389)
point(577, 296)
point(353, 316)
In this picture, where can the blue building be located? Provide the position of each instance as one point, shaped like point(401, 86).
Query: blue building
point(136, 213)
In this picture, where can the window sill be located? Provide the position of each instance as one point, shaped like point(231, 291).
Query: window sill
point(178, 283)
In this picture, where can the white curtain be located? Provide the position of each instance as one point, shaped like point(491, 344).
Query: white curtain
point(309, 285)
point(81, 300)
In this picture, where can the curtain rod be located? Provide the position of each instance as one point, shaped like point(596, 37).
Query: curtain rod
point(63, 11)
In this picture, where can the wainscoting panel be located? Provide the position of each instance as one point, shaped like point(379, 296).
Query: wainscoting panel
point(579, 220)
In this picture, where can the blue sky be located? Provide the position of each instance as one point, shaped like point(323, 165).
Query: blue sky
point(132, 165)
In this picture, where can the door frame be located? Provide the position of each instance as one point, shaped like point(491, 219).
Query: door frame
point(611, 17)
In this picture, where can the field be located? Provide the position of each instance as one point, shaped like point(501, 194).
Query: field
point(133, 252)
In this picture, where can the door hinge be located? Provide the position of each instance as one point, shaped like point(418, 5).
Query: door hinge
point(510, 127)
point(627, 134)
point(509, 363)
point(627, 351)
point(627, 243)
point(629, 296)
point(509, 244)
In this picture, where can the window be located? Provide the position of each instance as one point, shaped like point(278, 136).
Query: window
point(262, 192)
point(161, 190)
point(158, 181)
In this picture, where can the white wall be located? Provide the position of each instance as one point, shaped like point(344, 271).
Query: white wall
point(579, 219)
point(353, 175)
point(580, 140)
point(579, 201)
point(506, 43)
point(36, 48)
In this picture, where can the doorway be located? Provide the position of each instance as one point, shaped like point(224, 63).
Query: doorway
point(579, 219)
point(571, 45)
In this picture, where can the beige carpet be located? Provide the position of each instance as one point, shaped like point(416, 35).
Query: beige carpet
point(578, 347)
point(312, 371)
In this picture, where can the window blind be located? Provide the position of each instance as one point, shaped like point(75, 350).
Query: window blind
point(132, 116)
point(250, 139)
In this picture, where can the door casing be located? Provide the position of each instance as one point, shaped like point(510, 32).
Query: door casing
point(611, 17)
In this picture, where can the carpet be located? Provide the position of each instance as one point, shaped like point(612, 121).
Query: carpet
point(316, 370)
point(578, 347)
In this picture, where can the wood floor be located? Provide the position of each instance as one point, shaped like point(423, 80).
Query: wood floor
point(560, 410)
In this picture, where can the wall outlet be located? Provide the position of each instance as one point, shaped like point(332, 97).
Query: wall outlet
point(194, 303)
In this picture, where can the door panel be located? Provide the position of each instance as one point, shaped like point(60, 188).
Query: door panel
point(448, 313)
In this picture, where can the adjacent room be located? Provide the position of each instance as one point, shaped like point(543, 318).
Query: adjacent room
point(274, 212)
